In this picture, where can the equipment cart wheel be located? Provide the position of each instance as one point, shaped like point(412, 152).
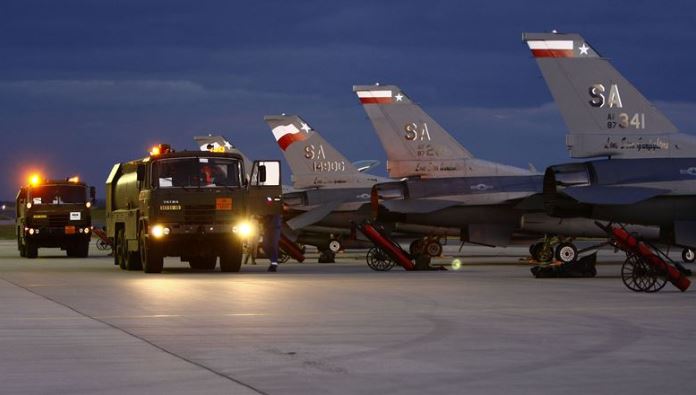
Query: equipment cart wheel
point(283, 256)
point(102, 245)
point(567, 252)
point(688, 255)
point(639, 276)
point(378, 260)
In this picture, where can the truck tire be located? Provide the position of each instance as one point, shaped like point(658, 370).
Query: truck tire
point(120, 249)
point(231, 257)
point(133, 260)
point(150, 257)
point(20, 246)
point(203, 262)
point(82, 249)
point(31, 249)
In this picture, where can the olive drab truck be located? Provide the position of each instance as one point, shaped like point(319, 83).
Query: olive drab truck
point(54, 214)
point(196, 205)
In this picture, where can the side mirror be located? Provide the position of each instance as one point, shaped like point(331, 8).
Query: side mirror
point(140, 172)
point(92, 194)
point(262, 174)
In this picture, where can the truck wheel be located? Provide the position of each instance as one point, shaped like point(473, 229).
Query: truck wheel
point(20, 246)
point(133, 260)
point(150, 257)
point(82, 249)
point(120, 249)
point(31, 249)
point(203, 262)
point(231, 257)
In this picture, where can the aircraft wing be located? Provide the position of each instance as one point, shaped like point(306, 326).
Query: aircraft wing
point(602, 194)
point(313, 216)
point(417, 206)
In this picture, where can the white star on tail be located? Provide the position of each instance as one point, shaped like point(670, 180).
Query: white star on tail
point(305, 127)
point(399, 97)
point(583, 49)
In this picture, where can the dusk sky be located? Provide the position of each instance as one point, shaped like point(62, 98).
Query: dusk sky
point(86, 84)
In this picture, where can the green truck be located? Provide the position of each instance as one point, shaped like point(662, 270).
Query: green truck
point(54, 214)
point(196, 205)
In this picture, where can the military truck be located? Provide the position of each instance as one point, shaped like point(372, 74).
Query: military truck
point(54, 214)
point(196, 205)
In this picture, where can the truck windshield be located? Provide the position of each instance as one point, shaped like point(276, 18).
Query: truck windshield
point(58, 194)
point(196, 172)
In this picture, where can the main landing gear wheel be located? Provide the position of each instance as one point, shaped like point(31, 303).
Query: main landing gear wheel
point(415, 247)
point(433, 248)
point(541, 252)
point(688, 255)
point(378, 260)
point(566, 252)
point(639, 276)
point(334, 246)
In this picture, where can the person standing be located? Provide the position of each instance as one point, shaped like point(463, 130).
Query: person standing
point(271, 238)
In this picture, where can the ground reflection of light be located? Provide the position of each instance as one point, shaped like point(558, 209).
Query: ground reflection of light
point(456, 264)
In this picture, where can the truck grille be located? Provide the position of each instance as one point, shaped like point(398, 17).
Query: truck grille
point(58, 220)
point(205, 214)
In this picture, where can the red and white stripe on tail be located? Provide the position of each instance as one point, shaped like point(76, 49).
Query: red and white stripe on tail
point(287, 134)
point(552, 48)
point(375, 97)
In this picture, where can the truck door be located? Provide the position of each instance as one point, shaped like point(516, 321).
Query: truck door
point(265, 190)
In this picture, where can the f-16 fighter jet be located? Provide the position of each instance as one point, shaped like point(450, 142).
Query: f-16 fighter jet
point(329, 193)
point(446, 186)
point(648, 173)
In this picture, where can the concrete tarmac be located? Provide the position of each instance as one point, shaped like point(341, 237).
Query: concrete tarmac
point(83, 326)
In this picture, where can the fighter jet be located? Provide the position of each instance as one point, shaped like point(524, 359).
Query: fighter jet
point(446, 187)
point(650, 171)
point(329, 193)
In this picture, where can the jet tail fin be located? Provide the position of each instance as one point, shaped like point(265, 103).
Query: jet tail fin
point(313, 161)
point(605, 114)
point(407, 133)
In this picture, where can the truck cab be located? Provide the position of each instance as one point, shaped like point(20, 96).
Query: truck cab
point(54, 214)
point(195, 205)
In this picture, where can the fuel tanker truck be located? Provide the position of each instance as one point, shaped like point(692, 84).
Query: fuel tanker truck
point(196, 205)
point(54, 214)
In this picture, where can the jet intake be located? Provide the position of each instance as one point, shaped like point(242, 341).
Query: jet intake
point(559, 177)
point(386, 191)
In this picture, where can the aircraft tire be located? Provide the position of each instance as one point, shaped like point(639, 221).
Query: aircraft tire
point(566, 252)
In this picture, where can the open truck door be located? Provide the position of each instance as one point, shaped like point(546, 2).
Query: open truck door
point(265, 190)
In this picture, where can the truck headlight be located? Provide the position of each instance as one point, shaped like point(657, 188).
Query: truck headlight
point(159, 231)
point(244, 229)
